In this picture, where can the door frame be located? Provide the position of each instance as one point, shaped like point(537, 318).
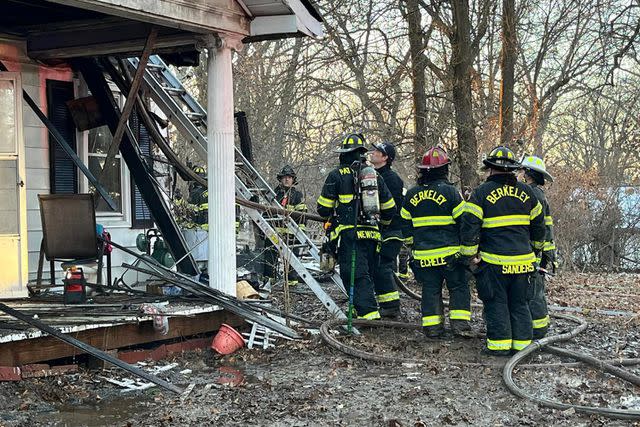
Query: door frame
point(19, 156)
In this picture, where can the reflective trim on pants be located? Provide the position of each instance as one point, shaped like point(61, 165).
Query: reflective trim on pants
point(371, 316)
point(432, 320)
point(520, 344)
point(541, 323)
point(459, 315)
point(499, 344)
point(391, 296)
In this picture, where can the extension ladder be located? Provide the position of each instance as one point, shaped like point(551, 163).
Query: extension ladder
point(188, 116)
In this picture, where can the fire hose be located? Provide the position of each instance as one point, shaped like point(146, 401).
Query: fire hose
point(507, 372)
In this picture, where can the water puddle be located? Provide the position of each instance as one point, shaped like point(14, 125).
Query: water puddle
point(112, 411)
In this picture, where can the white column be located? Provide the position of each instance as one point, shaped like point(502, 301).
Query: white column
point(220, 168)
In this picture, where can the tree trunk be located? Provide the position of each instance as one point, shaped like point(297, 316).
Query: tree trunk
point(465, 125)
point(507, 66)
point(414, 21)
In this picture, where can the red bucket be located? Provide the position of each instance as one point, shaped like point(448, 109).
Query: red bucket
point(227, 340)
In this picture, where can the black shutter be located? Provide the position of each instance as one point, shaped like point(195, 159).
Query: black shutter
point(140, 213)
point(62, 172)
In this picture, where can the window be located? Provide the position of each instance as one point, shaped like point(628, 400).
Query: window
point(99, 141)
point(62, 171)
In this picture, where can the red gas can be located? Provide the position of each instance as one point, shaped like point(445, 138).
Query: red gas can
point(75, 286)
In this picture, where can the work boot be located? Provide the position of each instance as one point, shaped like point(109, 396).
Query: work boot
point(390, 313)
point(496, 353)
point(433, 332)
point(461, 328)
point(539, 333)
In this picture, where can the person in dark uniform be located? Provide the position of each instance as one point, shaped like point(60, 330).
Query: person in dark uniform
point(503, 224)
point(290, 198)
point(431, 217)
point(341, 200)
point(535, 174)
point(381, 157)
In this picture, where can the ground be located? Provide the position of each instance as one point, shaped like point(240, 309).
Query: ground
point(305, 382)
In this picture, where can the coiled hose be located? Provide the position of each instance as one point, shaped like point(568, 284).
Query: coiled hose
point(507, 372)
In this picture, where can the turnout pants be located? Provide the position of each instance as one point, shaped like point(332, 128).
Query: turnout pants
point(506, 307)
point(383, 276)
point(538, 308)
point(431, 279)
point(364, 299)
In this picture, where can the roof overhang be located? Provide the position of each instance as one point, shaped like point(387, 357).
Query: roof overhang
point(272, 19)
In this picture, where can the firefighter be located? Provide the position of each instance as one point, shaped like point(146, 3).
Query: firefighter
point(381, 157)
point(199, 196)
point(503, 223)
point(291, 199)
point(431, 216)
point(535, 174)
point(341, 199)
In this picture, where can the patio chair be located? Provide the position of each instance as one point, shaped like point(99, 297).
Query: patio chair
point(69, 234)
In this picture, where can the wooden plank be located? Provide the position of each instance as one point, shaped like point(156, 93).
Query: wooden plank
point(48, 348)
point(128, 105)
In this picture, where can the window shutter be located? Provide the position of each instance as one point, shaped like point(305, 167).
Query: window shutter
point(62, 172)
point(141, 215)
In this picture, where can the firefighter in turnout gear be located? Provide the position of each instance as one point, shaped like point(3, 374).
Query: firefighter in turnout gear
point(199, 197)
point(290, 199)
point(387, 294)
point(535, 174)
point(341, 199)
point(503, 222)
point(431, 216)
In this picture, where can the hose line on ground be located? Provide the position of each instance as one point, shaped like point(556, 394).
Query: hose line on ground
point(543, 344)
point(507, 374)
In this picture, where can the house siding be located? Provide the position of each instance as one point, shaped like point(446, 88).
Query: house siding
point(36, 140)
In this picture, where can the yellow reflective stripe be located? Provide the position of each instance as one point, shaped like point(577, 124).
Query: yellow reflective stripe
point(385, 221)
point(300, 207)
point(549, 246)
point(326, 202)
point(388, 239)
point(408, 240)
point(432, 320)
point(345, 198)
point(435, 253)
point(371, 316)
point(499, 344)
point(336, 232)
point(405, 214)
point(537, 245)
point(537, 210)
point(548, 220)
point(505, 221)
point(460, 315)
point(391, 296)
point(203, 206)
point(507, 259)
point(541, 323)
point(520, 344)
point(469, 250)
point(428, 221)
point(538, 260)
point(458, 210)
point(474, 209)
point(388, 204)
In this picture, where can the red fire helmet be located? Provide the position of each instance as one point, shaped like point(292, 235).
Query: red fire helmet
point(435, 157)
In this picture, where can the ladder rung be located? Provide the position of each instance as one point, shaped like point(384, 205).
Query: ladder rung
point(176, 90)
point(152, 66)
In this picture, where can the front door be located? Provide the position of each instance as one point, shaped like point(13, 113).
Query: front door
point(13, 209)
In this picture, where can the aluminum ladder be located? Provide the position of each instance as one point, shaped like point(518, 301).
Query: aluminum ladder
point(188, 116)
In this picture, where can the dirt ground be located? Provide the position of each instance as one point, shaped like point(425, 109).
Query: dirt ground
point(300, 383)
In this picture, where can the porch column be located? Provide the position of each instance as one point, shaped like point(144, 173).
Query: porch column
point(221, 165)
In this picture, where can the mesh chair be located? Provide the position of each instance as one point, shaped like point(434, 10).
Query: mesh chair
point(69, 233)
